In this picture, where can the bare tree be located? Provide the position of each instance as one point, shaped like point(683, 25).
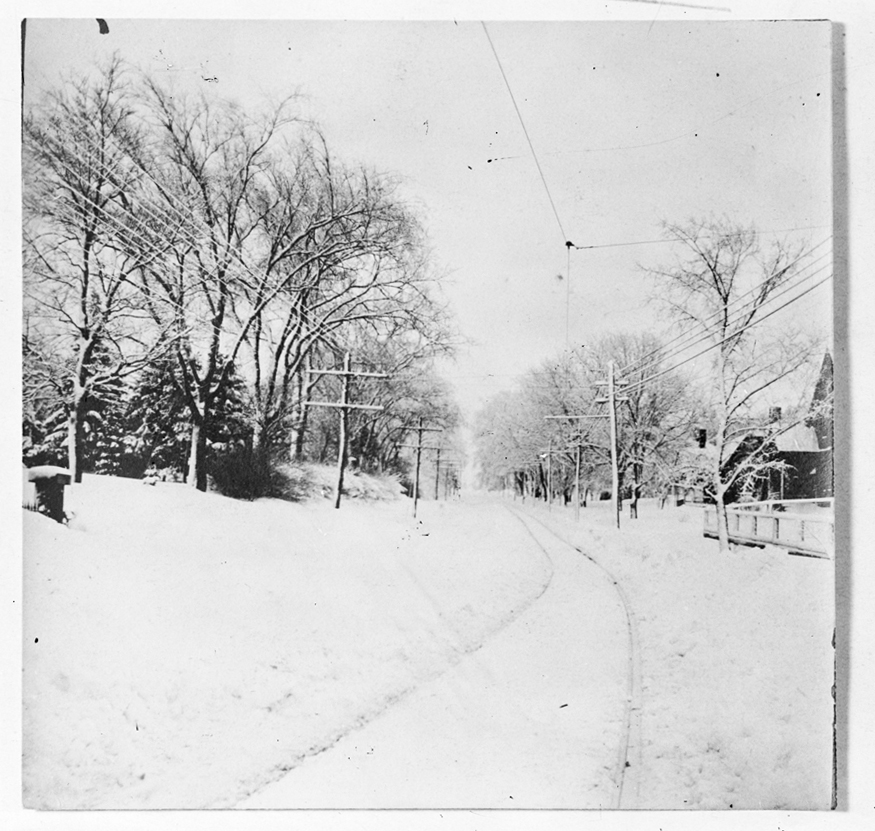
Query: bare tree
point(656, 411)
point(411, 390)
point(190, 227)
point(79, 272)
point(352, 263)
point(516, 432)
point(562, 401)
point(206, 163)
point(724, 283)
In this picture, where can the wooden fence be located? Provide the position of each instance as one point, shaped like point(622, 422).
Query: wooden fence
point(803, 526)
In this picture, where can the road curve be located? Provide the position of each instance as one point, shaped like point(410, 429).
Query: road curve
point(536, 718)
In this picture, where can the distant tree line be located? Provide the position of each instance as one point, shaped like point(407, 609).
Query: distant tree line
point(714, 432)
point(187, 261)
point(517, 430)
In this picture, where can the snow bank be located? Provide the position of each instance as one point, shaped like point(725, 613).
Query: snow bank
point(183, 649)
point(737, 660)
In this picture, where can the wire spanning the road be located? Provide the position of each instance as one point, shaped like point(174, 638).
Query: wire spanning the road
point(684, 342)
point(526, 133)
point(668, 240)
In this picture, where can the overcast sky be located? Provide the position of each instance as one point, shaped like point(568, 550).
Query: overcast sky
point(632, 123)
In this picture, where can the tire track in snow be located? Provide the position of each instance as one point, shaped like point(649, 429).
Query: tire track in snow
point(532, 723)
point(629, 751)
point(502, 623)
point(460, 650)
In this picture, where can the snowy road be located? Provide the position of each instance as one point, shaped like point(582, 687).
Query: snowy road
point(537, 717)
point(302, 656)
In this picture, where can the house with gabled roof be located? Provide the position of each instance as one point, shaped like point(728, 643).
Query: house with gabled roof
point(800, 454)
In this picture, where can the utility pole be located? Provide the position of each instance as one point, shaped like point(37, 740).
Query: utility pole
point(418, 447)
point(615, 467)
point(549, 471)
point(611, 401)
point(343, 436)
point(577, 456)
point(451, 473)
point(550, 475)
point(344, 406)
point(437, 475)
point(447, 469)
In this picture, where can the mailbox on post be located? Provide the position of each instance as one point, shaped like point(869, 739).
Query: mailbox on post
point(49, 482)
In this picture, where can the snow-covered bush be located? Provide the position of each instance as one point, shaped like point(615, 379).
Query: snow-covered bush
point(247, 473)
point(298, 482)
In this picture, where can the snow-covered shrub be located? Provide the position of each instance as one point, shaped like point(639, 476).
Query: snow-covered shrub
point(244, 473)
point(366, 486)
point(322, 481)
point(298, 482)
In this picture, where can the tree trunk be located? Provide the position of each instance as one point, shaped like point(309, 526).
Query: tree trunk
point(197, 474)
point(260, 437)
point(72, 446)
point(720, 441)
point(300, 433)
point(76, 436)
point(636, 490)
point(722, 523)
point(720, 499)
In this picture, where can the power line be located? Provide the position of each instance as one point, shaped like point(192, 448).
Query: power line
point(736, 302)
point(695, 338)
point(705, 337)
point(663, 240)
point(526, 133)
point(688, 340)
point(644, 381)
point(232, 264)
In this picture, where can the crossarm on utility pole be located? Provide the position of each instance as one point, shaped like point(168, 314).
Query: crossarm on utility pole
point(569, 417)
point(580, 443)
point(345, 373)
point(420, 429)
point(344, 406)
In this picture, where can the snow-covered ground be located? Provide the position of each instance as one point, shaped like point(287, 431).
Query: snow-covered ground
point(185, 650)
point(736, 660)
point(536, 718)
